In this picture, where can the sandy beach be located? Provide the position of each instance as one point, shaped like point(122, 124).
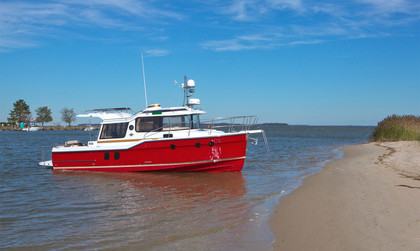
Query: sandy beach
point(368, 200)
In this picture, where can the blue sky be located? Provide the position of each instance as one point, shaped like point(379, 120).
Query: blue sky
point(293, 61)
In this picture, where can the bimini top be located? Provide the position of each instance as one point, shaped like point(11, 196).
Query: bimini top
point(107, 113)
point(155, 110)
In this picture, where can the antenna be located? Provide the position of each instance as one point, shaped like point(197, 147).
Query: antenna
point(144, 78)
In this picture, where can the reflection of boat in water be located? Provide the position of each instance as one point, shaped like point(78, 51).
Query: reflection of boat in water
point(159, 139)
point(155, 192)
point(161, 191)
point(154, 209)
point(230, 184)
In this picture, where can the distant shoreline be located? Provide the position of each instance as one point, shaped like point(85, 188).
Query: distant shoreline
point(97, 127)
point(50, 128)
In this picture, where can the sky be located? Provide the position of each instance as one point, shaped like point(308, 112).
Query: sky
point(288, 61)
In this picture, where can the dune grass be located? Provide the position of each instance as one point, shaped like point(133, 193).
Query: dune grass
point(396, 128)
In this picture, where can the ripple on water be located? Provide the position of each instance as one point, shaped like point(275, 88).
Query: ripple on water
point(45, 209)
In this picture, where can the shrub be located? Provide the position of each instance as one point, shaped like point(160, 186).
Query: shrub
point(395, 127)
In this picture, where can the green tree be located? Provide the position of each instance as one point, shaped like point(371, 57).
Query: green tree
point(68, 115)
point(27, 118)
point(43, 115)
point(20, 112)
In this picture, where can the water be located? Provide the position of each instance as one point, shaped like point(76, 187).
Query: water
point(45, 209)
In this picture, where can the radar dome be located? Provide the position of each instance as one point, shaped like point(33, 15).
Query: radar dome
point(190, 83)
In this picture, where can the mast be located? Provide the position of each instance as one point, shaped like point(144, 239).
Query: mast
point(189, 90)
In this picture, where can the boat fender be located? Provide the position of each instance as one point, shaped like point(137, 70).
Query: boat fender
point(211, 143)
point(173, 147)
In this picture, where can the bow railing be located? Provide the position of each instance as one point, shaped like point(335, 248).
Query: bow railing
point(225, 124)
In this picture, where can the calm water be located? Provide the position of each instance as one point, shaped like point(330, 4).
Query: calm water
point(46, 209)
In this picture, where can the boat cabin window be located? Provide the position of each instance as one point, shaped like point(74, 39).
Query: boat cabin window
point(175, 123)
point(181, 122)
point(114, 131)
point(195, 121)
point(147, 124)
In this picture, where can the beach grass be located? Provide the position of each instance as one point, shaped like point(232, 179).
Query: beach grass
point(398, 128)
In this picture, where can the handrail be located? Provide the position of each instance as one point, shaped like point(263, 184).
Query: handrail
point(233, 124)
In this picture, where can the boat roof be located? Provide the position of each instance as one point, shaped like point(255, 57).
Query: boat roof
point(112, 109)
point(169, 111)
point(122, 114)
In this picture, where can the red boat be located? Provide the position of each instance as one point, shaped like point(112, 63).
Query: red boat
point(159, 139)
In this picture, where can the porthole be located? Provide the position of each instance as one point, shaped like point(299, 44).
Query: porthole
point(211, 143)
point(173, 147)
point(131, 127)
point(117, 155)
point(106, 156)
point(197, 144)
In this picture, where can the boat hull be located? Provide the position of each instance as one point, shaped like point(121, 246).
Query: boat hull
point(208, 154)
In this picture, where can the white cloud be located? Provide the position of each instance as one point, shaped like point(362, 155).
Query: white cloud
point(20, 22)
point(312, 21)
point(304, 42)
point(227, 45)
point(132, 7)
point(285, 4)
point(156, 52)
point(158, 38)
point(250, 24)
point(9, 44)
point(251, 10)
point(267, 43)
point(248, 42)
point(24, 24)
point(96, 17)
point(240, 10)
point(389, 6)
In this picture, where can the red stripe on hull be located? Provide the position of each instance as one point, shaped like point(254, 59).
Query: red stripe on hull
point(226, 153)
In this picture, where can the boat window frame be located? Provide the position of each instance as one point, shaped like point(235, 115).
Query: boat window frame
point(155, 126)
point(174, 123)
point(117, 130)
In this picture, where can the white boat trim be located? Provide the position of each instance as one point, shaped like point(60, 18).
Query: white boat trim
point(152, 165)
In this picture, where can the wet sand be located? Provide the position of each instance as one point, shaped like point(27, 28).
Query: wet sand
point(369, 200)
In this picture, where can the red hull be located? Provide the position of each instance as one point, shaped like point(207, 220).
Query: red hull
point(212, 154)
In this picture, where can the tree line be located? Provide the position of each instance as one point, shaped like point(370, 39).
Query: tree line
point(22, 114)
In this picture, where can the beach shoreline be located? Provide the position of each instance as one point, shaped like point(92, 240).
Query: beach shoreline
point(368, 200)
